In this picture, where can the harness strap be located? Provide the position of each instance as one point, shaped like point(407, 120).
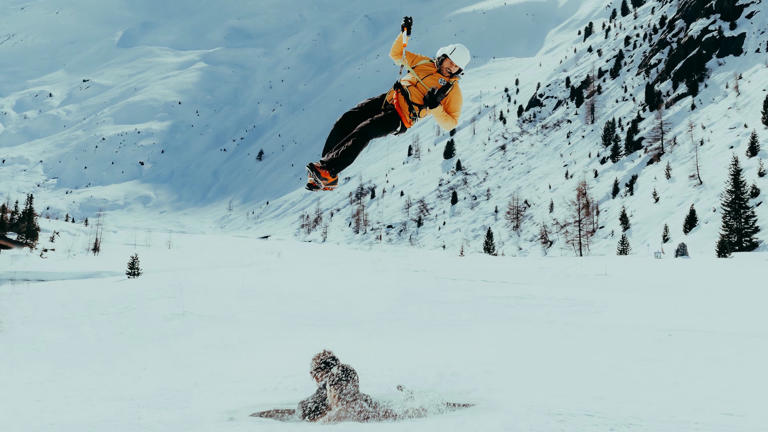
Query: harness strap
point(413, 112)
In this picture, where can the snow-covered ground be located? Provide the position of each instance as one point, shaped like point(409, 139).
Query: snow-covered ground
point(220, 326)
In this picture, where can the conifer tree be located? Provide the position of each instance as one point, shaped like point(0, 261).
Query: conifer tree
point(489, 246)
point(615, 151)
point(609, 130)
point(13, 219)
point(458, 165)
point(260, 155)
point(624, 220)
point(631, 142)
point(623, 247)
point(753, 148)
point(739, 221)
point(3, 219)
point(617, 65)
point(454, 198)
point(691, 221)
point(761, 169)
point(624, 8)
point(765, 110)
point(722, 248)
point(134, 270)
point(631, 185)
point(665, 235)
point(668, 171)
point(28, 228)
point(615, 191)
point(450, 150)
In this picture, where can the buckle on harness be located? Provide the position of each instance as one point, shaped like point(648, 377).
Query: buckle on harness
point(407, 118)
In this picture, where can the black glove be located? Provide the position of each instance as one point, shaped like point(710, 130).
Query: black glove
point(436, 95)
point(407, 25)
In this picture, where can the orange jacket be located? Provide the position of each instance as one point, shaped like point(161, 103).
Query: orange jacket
point(447, 114)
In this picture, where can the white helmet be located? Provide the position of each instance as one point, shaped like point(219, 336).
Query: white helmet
point(458, 54)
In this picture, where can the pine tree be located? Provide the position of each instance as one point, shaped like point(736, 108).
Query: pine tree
point(630, 186)
point(765, 110)
point(722, 248)
point(450, 150)
point(489, 246)
point(753, 148)
point(615, 191)
point(260, 156)
point(458, 165)
point(410, 150)
point(615, 152)
point(13, 219)
point(134, 270)
point(28, 228)
point(668, 171)
point(623, 248)
point(631, 143)
point(454, 198)
point(691, 221)
point(655, 196)
point(617, 65)
point(739, 221)
point(624, 220)
point(3, 219)
point(665, 235)
point(624, 8)
point(609, 130)
point(761, 169)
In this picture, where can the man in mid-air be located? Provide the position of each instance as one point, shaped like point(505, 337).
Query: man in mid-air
point(430, 88)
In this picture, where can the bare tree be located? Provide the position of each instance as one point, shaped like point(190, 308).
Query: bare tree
point(544, 239)
point(691, 126)
point(360, 220)
point(515, 213)
point(422, 211)
point(98, 230)
point(660, 128)
point(407, 207)
point(417, 147)
point(582, 224)
point(590, 104)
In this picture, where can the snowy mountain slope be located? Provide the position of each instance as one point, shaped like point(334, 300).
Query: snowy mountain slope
point(164, 109)
point(531, 157)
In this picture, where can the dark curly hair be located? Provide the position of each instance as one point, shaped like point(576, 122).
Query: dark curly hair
point(323, 362)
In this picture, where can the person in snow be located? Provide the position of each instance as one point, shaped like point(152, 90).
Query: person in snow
point(317, 406)
point(347, 403)
point(429, 89)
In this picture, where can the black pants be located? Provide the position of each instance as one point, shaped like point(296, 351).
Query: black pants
point(372, 118)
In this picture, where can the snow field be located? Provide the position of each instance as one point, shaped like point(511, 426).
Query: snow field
point(204, 338)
